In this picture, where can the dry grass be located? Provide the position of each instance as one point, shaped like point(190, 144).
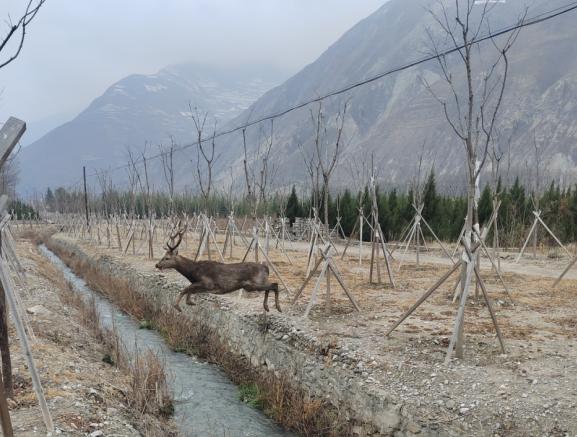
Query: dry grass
point(148, 388)
point(290, 406)
point(147, 391)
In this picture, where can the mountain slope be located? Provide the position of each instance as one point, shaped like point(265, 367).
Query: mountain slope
point(393, 117)
point(389, 121)
point(136, 110)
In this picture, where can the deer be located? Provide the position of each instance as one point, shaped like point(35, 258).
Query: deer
point(215, 277)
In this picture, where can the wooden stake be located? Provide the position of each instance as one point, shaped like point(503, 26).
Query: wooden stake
point(4, 414)
point(490, 307)
point(26, 348)
point(571, 264)
point(424, 297)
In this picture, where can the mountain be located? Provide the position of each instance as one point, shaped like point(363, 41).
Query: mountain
point(395, 118)
point(136, 110)
point(390, 121)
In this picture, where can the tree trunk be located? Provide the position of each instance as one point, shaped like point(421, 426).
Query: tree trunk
point(326, 202)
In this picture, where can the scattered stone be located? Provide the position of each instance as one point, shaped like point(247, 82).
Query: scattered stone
point(38, 310)
point(413, 427)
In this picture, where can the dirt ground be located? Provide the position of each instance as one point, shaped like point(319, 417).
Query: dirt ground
point(529, 390)
point(84, 394)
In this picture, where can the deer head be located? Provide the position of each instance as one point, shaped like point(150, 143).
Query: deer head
point(170, 258)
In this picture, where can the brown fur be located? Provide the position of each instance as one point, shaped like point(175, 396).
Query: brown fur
point(219, 278)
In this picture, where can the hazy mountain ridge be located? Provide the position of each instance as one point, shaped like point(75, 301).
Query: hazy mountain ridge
point(393, 117)
point(136, 110)
point(390, 119)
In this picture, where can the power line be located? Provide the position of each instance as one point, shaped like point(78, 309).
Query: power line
point(540, 18)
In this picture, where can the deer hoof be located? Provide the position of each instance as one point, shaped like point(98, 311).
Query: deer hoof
point(266, 308)
point(278, 309)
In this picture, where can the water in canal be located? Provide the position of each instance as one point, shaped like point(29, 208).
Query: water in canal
point(206, 402)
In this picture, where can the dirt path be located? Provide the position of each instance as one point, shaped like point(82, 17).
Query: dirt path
point(85, 395)
point(542, 266)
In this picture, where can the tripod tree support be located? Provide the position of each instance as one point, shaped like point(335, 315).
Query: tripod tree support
point(327, 269)
point(571, 264)
point(468, 267)
point(536, 222)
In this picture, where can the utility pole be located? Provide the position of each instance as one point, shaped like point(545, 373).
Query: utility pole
point(85, 196)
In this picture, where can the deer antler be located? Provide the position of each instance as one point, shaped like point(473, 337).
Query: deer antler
point(173, 236)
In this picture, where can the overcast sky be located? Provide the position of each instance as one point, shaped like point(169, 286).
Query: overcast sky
point(77, 48)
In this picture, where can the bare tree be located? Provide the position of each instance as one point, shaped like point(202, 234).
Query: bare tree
point(106, 188)
point(205, 150)
point(470, 110)
point(417, 181)
point(471, 114)
point(312, 167)
point(358, 170)
point(248, 172)
point(167, 162)
point(146, 185)
point(17, 32)
point(327, 159)
point(134, 180)
point(266, 170)
point(259, 169)
point(536, 191)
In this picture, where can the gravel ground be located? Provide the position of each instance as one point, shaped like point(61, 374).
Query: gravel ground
point(530, 390)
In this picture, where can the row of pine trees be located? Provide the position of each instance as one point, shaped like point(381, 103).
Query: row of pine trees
point(444, 213)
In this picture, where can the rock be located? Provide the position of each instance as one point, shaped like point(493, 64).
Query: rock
point(357, 430)
point(451, 404)
point(37, 310)
point(413, 427)
point(96, 433)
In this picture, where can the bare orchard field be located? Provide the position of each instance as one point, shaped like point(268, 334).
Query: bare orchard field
point(530, 390)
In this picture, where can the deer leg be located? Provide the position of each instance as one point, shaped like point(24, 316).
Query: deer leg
point(197, 287)
point(178, 299)
point(265, 303)
point(276, 304)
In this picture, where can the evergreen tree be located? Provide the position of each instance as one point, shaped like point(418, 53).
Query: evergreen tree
point(430, 199)
point(348, 212)
point(293, 207)
point(366, 205)
point(485, 206)
point(394, 221)
point(49, 198)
